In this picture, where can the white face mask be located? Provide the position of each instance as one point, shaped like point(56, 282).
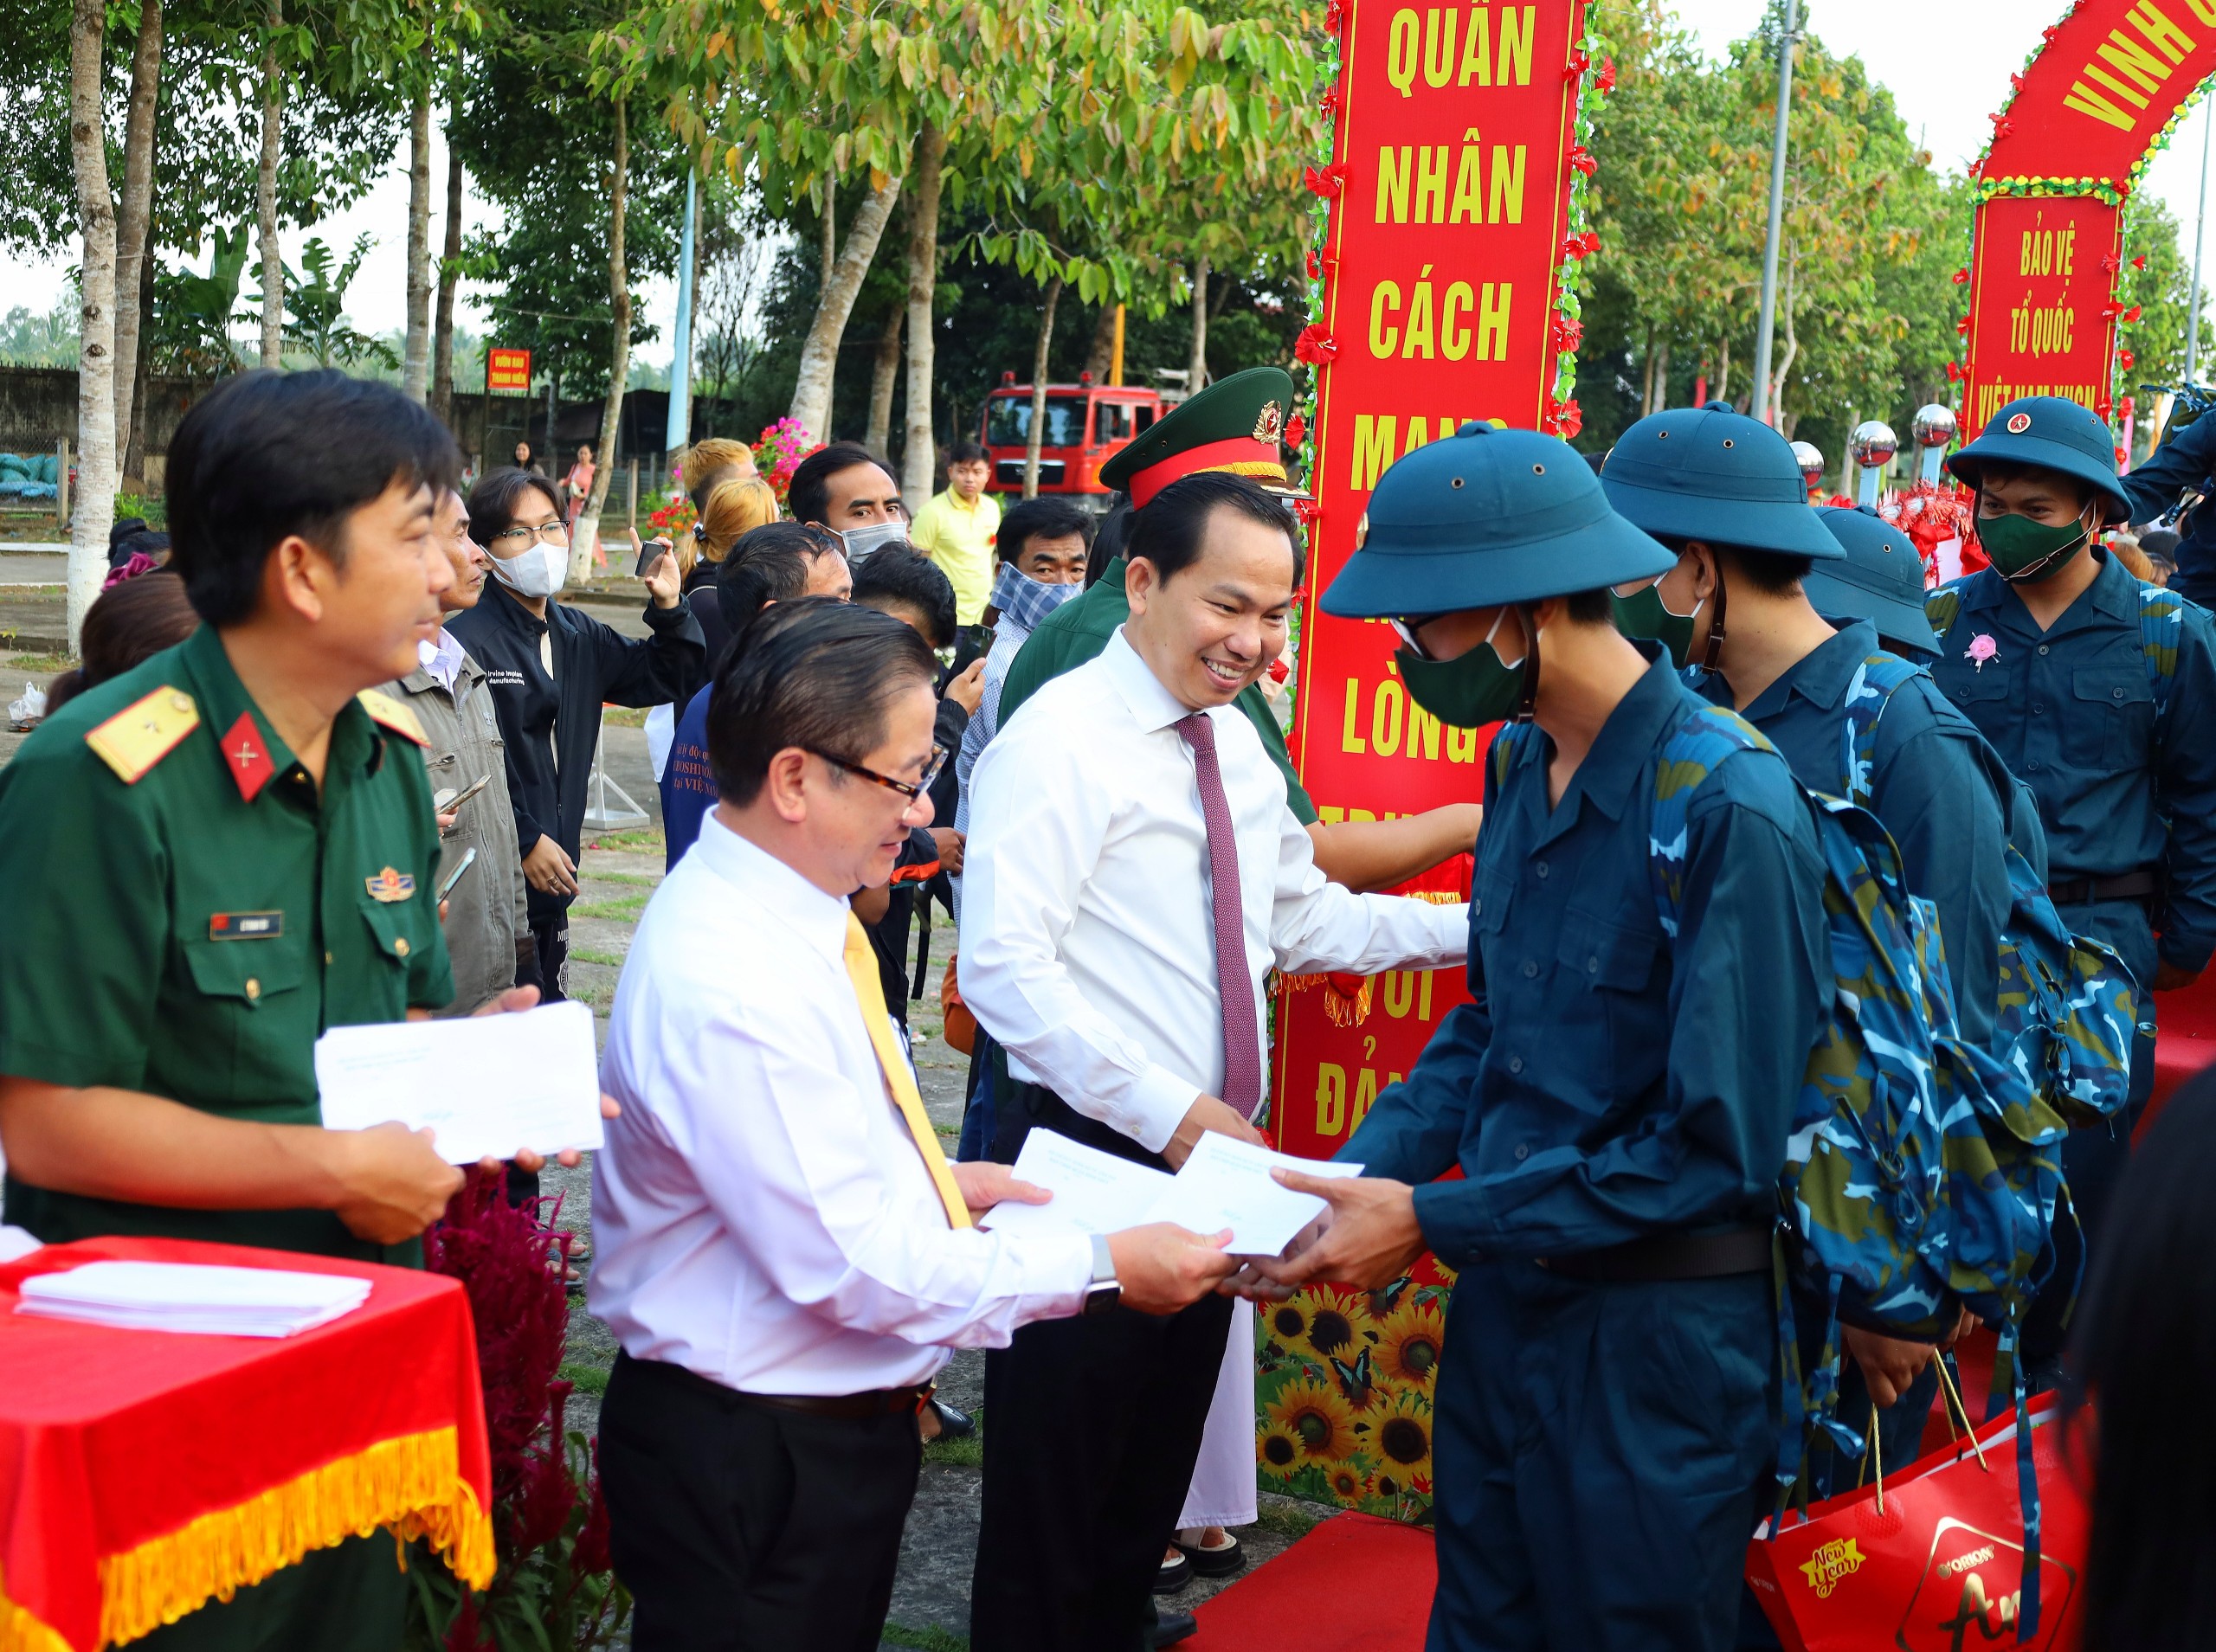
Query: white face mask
point(538, 572)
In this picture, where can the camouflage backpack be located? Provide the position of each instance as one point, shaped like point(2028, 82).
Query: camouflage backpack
point(2066, 1011)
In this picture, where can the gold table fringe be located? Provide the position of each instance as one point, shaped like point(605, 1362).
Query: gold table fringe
point(411, 1485)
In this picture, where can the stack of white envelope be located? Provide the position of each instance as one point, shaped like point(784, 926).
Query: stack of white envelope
point(190, 1296)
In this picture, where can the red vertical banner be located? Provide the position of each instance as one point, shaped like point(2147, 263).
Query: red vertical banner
point(1450, 230)
point(2043, 306)
point(1445, 293)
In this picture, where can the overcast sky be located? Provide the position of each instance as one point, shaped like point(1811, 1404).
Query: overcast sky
point(1948, 66)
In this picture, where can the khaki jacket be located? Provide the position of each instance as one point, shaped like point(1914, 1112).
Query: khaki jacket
point(485, 914)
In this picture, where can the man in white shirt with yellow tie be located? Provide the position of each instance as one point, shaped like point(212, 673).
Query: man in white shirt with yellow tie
point(1133, 874)
point(784, 1253)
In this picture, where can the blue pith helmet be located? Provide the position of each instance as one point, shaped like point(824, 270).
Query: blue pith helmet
point(1881, 580)
point(1714, 475)
point(1486, 516)
point(2055, 433)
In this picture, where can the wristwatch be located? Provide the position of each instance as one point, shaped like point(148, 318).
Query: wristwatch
point(1102, 1292)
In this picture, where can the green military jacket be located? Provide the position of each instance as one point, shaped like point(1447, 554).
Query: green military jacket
point(1078, 630)
point(186, 916)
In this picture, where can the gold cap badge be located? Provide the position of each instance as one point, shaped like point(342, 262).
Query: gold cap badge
point(1270, 425)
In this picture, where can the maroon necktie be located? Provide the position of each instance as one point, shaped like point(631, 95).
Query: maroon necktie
point(1242, 1039)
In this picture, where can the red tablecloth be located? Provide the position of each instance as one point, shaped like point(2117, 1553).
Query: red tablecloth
point(145, 1473)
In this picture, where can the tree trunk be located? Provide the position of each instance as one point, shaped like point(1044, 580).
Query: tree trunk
point(1196, 367)
point(885, 373)
point(619, 365)
point(449, 268)
point(919, 450)
point(1646, 385)
point(1103, 353)
point(415, 361)
point(273, 263)
point(1033, 441)
point(95, 492)
point(1775, 389)
point(1724, 369)
point(132, 442)
point(834, 302)
point(136, 213)
point(1662, 374)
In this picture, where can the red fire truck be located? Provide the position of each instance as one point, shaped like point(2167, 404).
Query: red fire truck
point(1086, 424)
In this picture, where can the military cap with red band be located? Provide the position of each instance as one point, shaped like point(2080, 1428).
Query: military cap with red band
point(1236, 425)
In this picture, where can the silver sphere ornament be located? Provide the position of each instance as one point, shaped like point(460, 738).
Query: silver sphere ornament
point(1874, 442)
point(1810, 457)
point(1935, 425)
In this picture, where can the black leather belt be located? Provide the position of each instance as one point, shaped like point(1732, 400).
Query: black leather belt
point(1669, 1256)
point(874, 1402)
point(2142, 886)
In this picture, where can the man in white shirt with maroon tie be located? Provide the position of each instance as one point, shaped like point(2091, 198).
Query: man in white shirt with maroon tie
point(784, 1253)
point(1133, 874)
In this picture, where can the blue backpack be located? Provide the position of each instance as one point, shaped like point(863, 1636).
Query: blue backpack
point(2066, 1009)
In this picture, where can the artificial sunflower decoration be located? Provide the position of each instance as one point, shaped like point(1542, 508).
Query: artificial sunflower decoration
point(1288, 1320)
point(1332, 1317)
point(1403, 1437)
point(1317, 1416)
point(1277, 1449)
point(1409, 1346)
point(1348, 1484)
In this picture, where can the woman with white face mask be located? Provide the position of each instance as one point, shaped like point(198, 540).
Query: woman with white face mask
point(549, 667)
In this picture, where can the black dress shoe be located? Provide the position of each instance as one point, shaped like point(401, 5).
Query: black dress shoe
point(1169, 1628)
point(953, 1424)
point(1173, 1575)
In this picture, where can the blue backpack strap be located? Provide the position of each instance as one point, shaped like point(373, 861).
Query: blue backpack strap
point(1874, 683)
point(2161, 628)
point(1943, 606)
point(1695, 750)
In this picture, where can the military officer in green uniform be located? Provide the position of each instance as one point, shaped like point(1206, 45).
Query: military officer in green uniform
point(215, 856)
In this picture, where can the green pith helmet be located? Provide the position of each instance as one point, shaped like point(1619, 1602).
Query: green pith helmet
point(1714, 475)
point(1236, 425)
point(1487, 517)
point(1881, 580)
point(2052, 433)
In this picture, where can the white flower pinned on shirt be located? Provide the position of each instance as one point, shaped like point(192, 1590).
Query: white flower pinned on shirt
point(1982, 648)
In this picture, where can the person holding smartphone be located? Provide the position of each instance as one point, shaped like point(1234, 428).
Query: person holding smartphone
point(486, 917)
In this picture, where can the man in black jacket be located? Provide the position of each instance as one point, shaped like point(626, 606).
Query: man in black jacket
point(551, 667)
point(2185, 462)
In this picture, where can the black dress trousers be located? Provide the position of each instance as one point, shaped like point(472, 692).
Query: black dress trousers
point(1091, 1428)
point(738, 1528)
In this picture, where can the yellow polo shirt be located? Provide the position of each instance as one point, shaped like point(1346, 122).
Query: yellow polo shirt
point(959, 538)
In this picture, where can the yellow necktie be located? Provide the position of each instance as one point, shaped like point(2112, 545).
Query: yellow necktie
point(861, 969)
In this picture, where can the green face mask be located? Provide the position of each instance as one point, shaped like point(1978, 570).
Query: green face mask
point(2027, 551)
point(1467, 692)
point(1643, 615)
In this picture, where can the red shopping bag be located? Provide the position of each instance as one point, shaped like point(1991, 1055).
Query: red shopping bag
point(1940, 1568)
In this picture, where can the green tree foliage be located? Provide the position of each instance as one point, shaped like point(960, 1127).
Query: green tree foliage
point(1867, 308)
point(316, 305)
point(536, 140)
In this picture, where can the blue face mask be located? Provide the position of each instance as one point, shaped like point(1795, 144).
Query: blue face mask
point(1027, 601)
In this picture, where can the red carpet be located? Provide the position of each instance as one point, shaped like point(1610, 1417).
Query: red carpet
point(1355, 1583)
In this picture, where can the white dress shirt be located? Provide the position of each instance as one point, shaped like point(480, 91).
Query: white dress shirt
point(1088, 942)
point(761, 1213)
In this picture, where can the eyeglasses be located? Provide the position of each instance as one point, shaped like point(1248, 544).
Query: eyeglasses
point(932, 765)
point(517, 536)
point(1407, 628)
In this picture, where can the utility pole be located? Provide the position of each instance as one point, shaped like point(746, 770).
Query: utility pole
point(2200, 234)
point(1766, 330)
point(679, 434)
